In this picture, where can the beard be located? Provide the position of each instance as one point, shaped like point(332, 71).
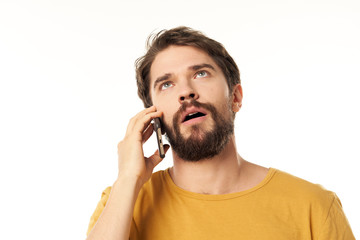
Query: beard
point(200, 144)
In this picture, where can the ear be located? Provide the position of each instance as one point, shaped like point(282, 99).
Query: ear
point(237, 96)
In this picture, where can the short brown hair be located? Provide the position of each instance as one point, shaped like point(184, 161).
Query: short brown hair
point(182, 36)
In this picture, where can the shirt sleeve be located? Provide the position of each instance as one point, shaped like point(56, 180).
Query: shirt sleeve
point(336, 226)
point(99, 208)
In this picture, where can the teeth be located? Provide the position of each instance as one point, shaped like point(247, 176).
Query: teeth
point(192, 114)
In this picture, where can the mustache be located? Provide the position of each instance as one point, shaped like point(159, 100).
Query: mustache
point(193, 103)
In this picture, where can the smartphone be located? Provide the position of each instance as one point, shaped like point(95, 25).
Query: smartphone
point(157, 129)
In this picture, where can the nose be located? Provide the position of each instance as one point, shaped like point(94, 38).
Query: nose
point(188, 94)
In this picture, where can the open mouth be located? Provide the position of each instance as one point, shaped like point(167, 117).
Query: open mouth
point(193, 115)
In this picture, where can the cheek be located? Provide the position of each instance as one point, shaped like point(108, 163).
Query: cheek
point(167, 104)
point(216, 94)
point(168, 112)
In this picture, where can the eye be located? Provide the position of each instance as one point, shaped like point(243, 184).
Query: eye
point(201, 74)
point(165, 85)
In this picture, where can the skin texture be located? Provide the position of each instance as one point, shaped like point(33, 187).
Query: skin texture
point(176, 60)
point(226, 172)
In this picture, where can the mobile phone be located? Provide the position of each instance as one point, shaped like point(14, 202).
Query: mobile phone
point(157, 129)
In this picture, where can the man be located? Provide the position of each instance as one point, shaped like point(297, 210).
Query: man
point(193, 85)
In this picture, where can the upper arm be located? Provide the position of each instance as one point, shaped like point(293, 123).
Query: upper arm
point(336, 225)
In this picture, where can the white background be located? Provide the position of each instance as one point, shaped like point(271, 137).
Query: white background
point(68, 91)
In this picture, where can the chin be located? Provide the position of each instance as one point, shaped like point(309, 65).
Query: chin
point(195, 131)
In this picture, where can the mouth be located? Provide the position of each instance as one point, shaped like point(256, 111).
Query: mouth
point(193, 115)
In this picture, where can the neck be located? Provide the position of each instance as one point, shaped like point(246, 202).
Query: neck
point(218, 175)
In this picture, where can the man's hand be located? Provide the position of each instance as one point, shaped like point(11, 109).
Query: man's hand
point(132, 163)
point(134, 170)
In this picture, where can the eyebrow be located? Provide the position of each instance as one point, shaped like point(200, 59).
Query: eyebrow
point(162, 79)
point(196, 67)
point(200, 66)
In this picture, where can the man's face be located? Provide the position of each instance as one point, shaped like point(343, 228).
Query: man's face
point(192, 92)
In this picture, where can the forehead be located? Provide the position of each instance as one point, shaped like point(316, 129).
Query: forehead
point(175, 59)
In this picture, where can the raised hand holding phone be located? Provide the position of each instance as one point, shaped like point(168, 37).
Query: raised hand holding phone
point(134, 171)
point(131, 159)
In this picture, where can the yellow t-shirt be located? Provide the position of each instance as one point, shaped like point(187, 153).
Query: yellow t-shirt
point(280, 207)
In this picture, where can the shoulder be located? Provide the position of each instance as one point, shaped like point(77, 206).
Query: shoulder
point(105, 194)
point(290, 186)
point(99, 208)
point(307, 199)
point(104, 197)
point(312, 201)
point(293, 183)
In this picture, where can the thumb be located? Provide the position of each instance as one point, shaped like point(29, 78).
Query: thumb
point(155, 159)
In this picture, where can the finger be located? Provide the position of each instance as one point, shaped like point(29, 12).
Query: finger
point(143, 123)
point(155, 159)
point(145, 111)
point(140, 114)
point(147, 133)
